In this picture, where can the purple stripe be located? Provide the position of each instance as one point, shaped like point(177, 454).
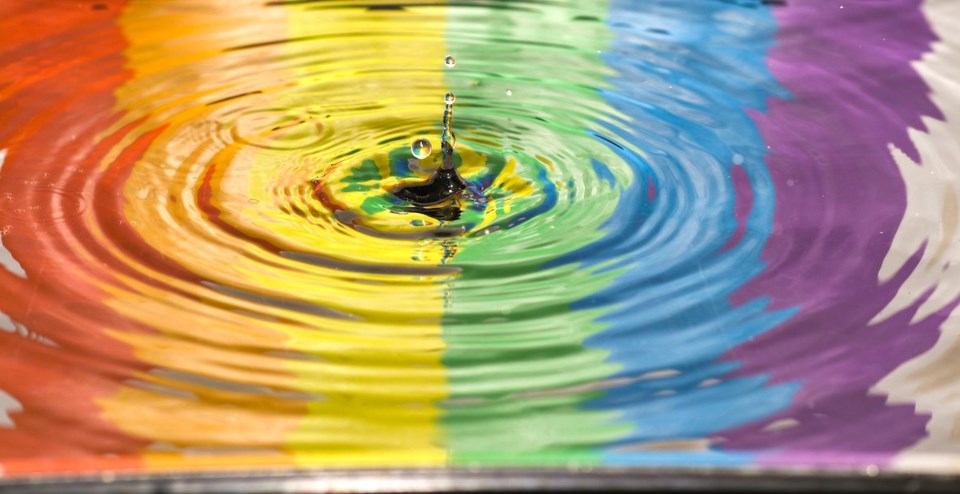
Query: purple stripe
point(742, 204)
point(840, 198)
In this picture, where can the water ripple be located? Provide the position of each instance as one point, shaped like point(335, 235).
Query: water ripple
point(204, 229)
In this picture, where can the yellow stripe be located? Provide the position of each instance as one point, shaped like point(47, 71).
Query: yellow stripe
point(375, 375)
point(386, 83)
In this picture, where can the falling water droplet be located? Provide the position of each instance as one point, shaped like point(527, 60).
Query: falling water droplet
point(509, 92)
point(450, 62)
point(449, 98)
point(421, 148)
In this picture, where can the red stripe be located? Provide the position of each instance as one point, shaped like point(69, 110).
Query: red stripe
point(60, 63)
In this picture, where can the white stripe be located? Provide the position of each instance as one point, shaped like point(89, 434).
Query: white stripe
point(9, 263)
point(8, 404)
point(932, 223)
point(7, 324)
point(6, 258)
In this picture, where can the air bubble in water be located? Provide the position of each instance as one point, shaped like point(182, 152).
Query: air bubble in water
point(450, 61)
point(449, 98)
point(421, 148)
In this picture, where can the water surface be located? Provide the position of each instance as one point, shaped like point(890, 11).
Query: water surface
point(696, 233)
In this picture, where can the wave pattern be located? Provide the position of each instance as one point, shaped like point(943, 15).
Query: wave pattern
point(676, 246)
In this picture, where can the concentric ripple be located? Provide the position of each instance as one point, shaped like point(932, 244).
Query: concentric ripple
point(204, 263)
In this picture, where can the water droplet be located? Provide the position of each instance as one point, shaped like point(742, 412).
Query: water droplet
point(450, 62)
point(509, 92)
point(421, 148)
point(449, 98)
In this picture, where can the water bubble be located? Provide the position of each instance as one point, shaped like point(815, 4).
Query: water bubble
point(421, 148)
point(449, 98)
point(449, 61)
point(509, 92)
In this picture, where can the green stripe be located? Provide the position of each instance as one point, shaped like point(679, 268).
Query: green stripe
point(504, 361)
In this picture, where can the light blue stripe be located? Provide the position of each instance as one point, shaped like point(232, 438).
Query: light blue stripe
point(684, 95)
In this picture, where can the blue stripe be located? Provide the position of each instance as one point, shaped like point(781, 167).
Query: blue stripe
point(688, 71)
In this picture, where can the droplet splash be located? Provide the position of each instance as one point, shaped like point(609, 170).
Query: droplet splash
point(447, 138)
point(445, 183)
point(421, 148)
